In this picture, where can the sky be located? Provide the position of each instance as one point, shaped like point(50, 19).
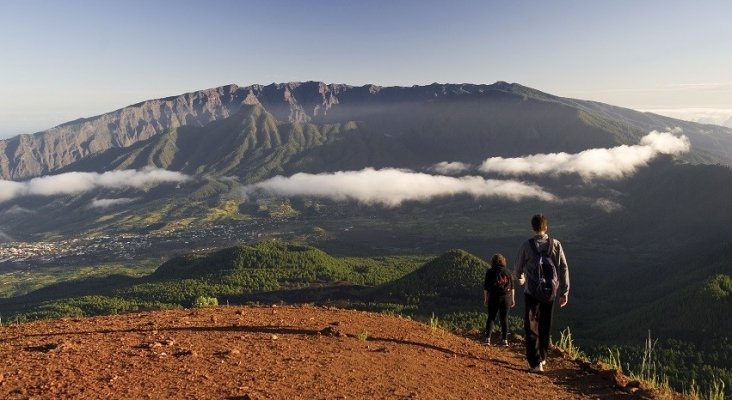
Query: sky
point(61, 61)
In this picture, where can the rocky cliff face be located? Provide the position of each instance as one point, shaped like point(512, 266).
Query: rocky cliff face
point(26, 156)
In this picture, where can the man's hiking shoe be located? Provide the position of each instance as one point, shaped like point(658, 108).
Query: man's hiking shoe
point(543, 363)
point(504, 343)
point(486, 342)
point(538, 369)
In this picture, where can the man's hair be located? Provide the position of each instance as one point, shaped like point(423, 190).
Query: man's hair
point(498, 259)
point(539, 223)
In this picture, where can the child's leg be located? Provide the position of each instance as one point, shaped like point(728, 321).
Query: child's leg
point(503, 314)
point(492, 311)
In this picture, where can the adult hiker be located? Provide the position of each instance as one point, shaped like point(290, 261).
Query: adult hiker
point(542, 269)
point(498, 296)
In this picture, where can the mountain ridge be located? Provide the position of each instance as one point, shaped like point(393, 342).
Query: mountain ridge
point(49, 151)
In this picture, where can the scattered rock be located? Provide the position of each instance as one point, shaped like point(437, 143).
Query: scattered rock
point(615, 378)
point(48, 347)
point(214, 319)
point(184, 353)
point(633, 384)
point(274, 337)
point(632, 387)
point(587, 366)
point(331, 331)
point(227, 353)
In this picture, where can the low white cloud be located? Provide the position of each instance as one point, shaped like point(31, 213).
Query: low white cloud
point(18, 210)
point(451, 168)
point(612, 163)
point(104, 203)
point(80, 182)
point(391, 187)
point(10, 190)
point(607, 205)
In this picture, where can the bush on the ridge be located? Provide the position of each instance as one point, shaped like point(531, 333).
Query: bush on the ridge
point(203, 301)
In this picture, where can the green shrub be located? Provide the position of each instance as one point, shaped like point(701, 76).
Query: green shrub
point(203, 301)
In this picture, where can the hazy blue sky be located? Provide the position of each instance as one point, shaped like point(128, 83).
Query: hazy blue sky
point(61, 60)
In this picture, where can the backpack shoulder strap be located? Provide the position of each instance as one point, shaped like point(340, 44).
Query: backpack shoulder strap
point(534, 247)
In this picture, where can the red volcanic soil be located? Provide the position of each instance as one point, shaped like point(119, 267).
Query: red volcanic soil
point(271, 353)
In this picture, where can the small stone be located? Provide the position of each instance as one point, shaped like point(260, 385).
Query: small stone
point(633, 384)
point(331, 331)
point(274, 337)
point(185, 352)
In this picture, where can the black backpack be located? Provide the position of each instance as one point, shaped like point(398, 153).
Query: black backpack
point(501, 282)
point(543, 284)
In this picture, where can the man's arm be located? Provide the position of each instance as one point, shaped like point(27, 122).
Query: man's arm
point(520, 263)
point(563, 277)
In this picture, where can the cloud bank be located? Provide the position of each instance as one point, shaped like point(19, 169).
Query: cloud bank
point(391, 187)
point(613, 163)
point(80, 182)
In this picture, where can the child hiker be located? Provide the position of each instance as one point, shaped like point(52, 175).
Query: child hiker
point(498, 296)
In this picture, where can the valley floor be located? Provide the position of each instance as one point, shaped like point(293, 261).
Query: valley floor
point(278, 352)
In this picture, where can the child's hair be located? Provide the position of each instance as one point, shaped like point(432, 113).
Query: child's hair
point(498, 259)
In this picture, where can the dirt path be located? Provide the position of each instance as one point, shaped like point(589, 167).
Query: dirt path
point(270, 353)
